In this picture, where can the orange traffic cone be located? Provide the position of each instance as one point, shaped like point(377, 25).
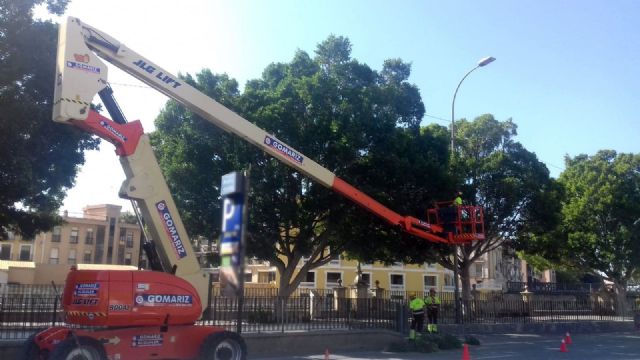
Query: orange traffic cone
point(567, 339)
point(563, 346)
point(465, 353)
point(326, 354)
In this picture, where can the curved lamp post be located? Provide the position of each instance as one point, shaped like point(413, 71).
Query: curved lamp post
point(483, 62)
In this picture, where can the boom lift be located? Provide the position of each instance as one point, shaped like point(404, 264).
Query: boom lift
point(151, 314)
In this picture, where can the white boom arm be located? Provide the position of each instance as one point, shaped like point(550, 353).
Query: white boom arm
point(81, 75)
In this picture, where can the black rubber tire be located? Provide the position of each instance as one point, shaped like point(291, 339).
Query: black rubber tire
point(224, 345)
point(30, 350)
point(89, 349)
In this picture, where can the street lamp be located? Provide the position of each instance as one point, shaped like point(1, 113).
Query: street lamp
point(456, 293)
point(483, 62)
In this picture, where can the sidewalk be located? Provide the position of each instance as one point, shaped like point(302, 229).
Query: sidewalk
point(611, 346)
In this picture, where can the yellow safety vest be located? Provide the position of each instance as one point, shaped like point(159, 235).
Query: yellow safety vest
point(417, 306)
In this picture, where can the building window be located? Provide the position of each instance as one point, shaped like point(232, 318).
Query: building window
point(88, 239)
point(53, 256)
point(111, 240)
point(144, 263)
point(87, 257)
point(127, 258)
point(265, 277)
point(215, 277)
point(479, 270)
point(448, 280)
point(430, 281)
point(334, 279)
point(335, 261)
point(129, 239)
point(55, 237)
point(309, 281)
point(397, 282)
point(71, 260)
point(248, 277)
point(366, 278)
point(73, 238)
point(5, 252)
point(25, 253)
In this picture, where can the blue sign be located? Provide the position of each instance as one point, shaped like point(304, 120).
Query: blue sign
point(162, 299)
point(231, 242)
point(81, 66)
point(147, 340)
point(283, 149)
point(170, 229)
point(86, 289)
point(232, 209)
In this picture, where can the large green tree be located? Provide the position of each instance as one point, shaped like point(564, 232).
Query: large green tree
point(357, 122)
point(600, 230)
point(507, 181)
point(39, 158)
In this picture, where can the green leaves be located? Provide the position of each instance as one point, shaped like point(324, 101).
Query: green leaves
point(39, 157)
point(600, 213)
point(356, 122)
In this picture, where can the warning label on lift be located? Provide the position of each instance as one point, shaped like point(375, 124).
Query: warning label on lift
point(147, 340)
point(87, 289)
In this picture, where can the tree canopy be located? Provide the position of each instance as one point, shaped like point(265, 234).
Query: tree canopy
point(508, 181)
point(40, 158)
point(359, 123)
point(601, 215)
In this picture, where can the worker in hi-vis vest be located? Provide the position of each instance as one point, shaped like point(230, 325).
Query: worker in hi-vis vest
point(417, 312)
point(432, 303)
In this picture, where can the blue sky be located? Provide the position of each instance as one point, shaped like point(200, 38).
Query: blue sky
point(566, 71)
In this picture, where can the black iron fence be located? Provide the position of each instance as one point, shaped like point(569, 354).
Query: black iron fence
point(537, 310)
point(25, 310)
point(549, 287)
point(279, 314)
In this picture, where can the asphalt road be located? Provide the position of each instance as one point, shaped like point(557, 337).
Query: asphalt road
point(618, 346)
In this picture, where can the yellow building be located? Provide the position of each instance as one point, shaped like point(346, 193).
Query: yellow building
point(98, 236)
point(398, 277)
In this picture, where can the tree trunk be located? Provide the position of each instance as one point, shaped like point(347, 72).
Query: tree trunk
point(465, 278)
point(620, 291)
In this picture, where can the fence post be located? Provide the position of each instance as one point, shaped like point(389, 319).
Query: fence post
point(401, 318)
point(55, 311)
point(282, 300)
point(348, 303)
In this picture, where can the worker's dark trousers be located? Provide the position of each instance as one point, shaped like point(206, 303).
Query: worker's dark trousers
point(432, 318)
point(417, 323)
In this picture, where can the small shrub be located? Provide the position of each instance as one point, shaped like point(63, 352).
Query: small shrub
point(426, 345)
point(448, 342)
point(471, 340)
